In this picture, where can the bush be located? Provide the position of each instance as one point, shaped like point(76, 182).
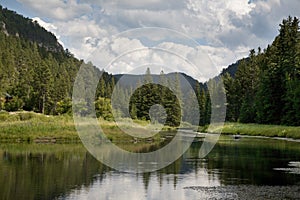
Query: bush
point(103, 109)
point(64, 106)
point(14, 104)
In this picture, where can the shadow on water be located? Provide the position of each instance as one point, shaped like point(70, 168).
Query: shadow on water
point(49, 171)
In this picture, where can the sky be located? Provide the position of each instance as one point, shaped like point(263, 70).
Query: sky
point(199, 33)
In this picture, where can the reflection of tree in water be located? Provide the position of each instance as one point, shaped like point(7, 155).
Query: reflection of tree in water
point(31, 174)
point(37, 172)
point(232, 163)
point(49, 171)
point(251, 162)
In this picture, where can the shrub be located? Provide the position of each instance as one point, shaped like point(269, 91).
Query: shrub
point(64, 106)
point(14, 104)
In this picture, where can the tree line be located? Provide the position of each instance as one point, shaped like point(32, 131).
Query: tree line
point(142, 102)
point(265, 88)
point(35, 78)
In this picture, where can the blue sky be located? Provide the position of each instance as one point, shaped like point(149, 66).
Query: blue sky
point(18, 7)
point(225, 29)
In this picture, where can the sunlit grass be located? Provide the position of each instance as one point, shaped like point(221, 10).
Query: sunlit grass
point(262, 130)
point(30, 126)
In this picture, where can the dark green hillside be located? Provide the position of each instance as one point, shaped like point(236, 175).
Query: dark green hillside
point(36, 73)
point(35, 80)
point(17, 25)
point(232, 69)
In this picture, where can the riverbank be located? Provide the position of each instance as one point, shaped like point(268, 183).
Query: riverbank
point(35, 127)
point(38, 128)
point(262, 130)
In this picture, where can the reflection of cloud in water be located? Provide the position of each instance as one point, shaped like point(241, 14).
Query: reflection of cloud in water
point(294, 168)
point(160, 186)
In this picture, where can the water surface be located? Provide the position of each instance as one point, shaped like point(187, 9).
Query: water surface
point(56, 171)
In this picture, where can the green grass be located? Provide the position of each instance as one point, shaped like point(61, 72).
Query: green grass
point(34, 127)
point(29, 126)
point(262, 130)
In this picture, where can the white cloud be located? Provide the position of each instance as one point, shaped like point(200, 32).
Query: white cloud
point(122, 45)
point(47, 26)
point(221, 55)
point(123, 55)
point(239, 7)
point(227, 30)
point(81, 27)
point(82, 35)
point(58, 9)
point(138, 4)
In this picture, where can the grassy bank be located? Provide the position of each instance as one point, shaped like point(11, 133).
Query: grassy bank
point(261, 130)
point(34, 127)
point(29, 126)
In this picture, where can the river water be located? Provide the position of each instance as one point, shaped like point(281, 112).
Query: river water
point(68, 171)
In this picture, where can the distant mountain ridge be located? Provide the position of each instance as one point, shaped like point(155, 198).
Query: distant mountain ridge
point(132, 80)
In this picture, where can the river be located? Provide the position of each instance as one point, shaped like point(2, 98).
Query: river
point(68, 171)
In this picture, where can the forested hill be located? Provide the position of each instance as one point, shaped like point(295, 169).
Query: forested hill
point(132, 80)
point(36, 73)
point(231, 69)
point(266, 86)
point(33, 77)
point(13, 24)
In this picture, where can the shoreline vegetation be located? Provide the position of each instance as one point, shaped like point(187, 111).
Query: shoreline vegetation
point(272, 131)
point(30, 127)
point(23, 126)
point(38, 75)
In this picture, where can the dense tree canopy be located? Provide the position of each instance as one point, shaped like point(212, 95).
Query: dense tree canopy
point(34, 69)
point(265, 88)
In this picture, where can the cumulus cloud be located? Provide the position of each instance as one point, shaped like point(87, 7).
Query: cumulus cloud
point(82, 35)
point(123, 55)
point(226, 30)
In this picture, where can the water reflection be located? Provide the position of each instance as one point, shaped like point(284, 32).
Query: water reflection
point(44, 171)
point(69, 172)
